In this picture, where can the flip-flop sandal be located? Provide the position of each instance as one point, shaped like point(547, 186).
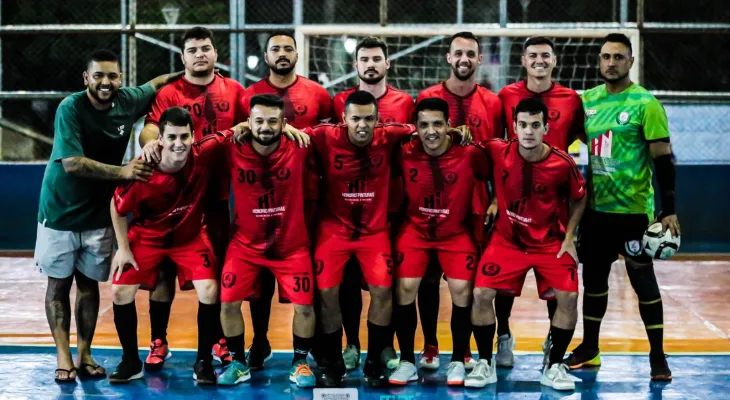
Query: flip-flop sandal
point(68, 375)
point(83, 372)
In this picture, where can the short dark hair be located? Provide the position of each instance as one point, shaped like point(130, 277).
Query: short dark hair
point(372, 42)
point(100, 56)
point(280, 33)
point(532, 106)
point(433, 104)
point(175, 116)
point(535, 40)
point(266, 100)
point(618, 38)
point(198, 33)
point(361, 98)
point(465, 35)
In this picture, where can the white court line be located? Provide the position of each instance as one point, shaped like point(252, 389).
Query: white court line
point(707, 323)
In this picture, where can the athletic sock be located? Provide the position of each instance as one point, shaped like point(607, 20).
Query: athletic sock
point(484, 336)
point(125, 320)
point(428, 308)
point(406, 320)
point(460, 331)
point(561, 339)
point(159, 319)
point(594, 308)
point(207, 315)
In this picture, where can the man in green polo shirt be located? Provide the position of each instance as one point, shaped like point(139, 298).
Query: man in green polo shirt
point(75, 237)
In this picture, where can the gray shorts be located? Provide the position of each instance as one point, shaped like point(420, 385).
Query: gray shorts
point(59, 253)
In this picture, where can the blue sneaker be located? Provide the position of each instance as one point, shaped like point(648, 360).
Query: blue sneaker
point(302, 375)
point(234, 374)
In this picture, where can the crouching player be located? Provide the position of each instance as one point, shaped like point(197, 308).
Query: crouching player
point(167, 213)
point(541, 198)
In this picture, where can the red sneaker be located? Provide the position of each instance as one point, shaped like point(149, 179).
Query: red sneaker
point(429, 358)
point(221, 353)
point(469, 361)
point(159, 353)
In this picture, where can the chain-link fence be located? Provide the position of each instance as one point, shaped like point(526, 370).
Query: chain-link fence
point(674, 56)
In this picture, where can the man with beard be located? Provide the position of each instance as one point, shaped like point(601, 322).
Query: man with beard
point(275, 195)
point(394, 106)
point(75, 237)
point(627, 128)
point(306, 104)
point(481, 110)
point(216, 104)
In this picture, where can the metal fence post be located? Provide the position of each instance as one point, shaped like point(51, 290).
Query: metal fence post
point(233, 51)
point(503, 47)
point(241, 14)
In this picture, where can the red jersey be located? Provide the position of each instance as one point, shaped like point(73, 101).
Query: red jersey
point(306, 103)
point(216, 106)
point(565, 112)
point(533, 197)
point(356, 180)
point(439, 189)
point(394, 106)
point(269, 194)
point(167, 211)
point(481, 110)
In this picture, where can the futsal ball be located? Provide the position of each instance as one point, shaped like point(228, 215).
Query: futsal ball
point(658, 245)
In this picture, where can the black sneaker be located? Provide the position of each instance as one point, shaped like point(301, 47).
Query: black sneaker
point(583, 358)
point(204, 373)
point(374, 373)
point(659, 368)
point(126, 371)
point(258, 354)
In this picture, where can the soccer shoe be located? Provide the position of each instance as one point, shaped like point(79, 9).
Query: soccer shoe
point(374, 373)
point(302, 375)
point(455, 373)
point(406, 372)
point(236, 373)
point(204, 373)
point(221, 353)
point(429, 358)
point(351, 356)
point(505, 358)
point(557, 377)
point(159, 353)
point(126, 371)
point(469, 361)
point(482, 375)
point(546, 346)
point(659, 368)
point(389, 359)
point(258, 354)
point(583, 358)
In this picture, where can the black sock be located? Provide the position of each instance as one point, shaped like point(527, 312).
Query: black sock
point(159, 319)
point(406, 320)
point(484, 336)
point(377, 337)
point(207, 315)
point(503, 309)
point(561, 339)
point(552, 305)
point(261, 308)
point(652, 313)
point(218, 325)
point(301, 348)
point(460, 331)
point(351, 309)
point(125, 320)
point(428, 308)
point(237, 346)
point(594, 308)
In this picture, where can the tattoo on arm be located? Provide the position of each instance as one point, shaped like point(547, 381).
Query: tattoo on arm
point(88, 168)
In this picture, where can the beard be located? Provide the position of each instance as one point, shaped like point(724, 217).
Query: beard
point(455, 69)
point(371, 80)
point(614, 80)
point(201, 74)
point(93, 91)
point(282, 71)
point(267, 142)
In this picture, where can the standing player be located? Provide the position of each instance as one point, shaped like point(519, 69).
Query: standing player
point(272, 189)
point(167, 224)
point(627, 128)
point(306, 104)
point(215, 103)
point(481, 110)
point(394, 106)
point(75, 238)
point(439, 179)
point(565, 116)
point(533, 183)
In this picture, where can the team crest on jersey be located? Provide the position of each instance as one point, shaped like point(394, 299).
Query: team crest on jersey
point(633, 247)
point(554, 115)
point(490, 269)
point(539, 188)
point(474, 120)
point(301, 109)
point(376, 160)
point(623, 118)
point(389, 120)
point(229, 279)
point(223, 106)
point(590, 113)
point(283, 174)
point(451, 178)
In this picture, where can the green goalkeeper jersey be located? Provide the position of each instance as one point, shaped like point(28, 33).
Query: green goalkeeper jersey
point(619, 128)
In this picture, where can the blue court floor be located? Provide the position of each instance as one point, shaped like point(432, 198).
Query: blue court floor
point(28, 372)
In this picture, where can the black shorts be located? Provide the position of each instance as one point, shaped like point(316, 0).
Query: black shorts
point(603, 236)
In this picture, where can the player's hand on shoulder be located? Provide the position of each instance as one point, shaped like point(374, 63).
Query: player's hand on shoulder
point(295, 134)
point(491, 213)
point(122, 258)
point(152, 152)
point(241, 132)
point(137, 170)
point(463, 132)
point(672, 223)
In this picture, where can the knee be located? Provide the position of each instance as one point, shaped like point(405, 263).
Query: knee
point(461, 293)
point(483, 298)
point(207, 291)
point(407, 290)
point(304, 311)
point(595, 278)
point(643, 280)
point(230, 309)
point(383, 296)
point(59, 289)
point(568, 301)
point(329, 298)
point(123, 294)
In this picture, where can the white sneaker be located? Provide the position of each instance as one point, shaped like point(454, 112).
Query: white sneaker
point(557, 377)
point(505, 357)
point(482, 375)
point(406, 372)
point(469, 361)
point(455, 373)
point(546, 346)
point(429, 358)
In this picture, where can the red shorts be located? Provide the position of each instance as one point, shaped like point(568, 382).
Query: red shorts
point(194, 260)
point(504, 267)
point(372, 251)
point(457, 256)
point(241, 270)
